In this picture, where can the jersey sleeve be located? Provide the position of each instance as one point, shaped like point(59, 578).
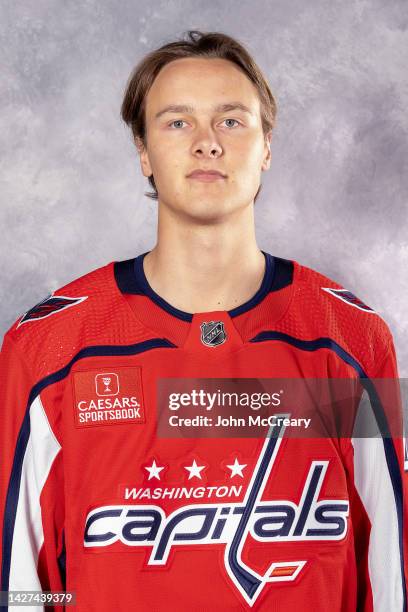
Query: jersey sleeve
point(381, 484)
point(31, 485)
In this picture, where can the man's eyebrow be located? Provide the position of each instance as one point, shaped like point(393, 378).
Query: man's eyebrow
point(220, 108)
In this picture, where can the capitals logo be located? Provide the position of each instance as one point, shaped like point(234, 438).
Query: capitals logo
point(230, 524)
point(347, 296)
point(50, 305)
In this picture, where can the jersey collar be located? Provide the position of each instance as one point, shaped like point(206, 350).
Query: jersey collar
point(131, 279)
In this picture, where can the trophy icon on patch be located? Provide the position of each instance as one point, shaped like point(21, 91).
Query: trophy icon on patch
point(107, 384)
point(106, 381)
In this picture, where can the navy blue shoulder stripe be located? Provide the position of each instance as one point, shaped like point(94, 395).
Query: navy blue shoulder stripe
point(310, 345)
point(24, 434)
point(108, 350)
point(378, 410)
point(130, 278)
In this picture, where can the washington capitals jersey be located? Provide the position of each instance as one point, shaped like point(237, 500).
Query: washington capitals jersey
point(95, 502)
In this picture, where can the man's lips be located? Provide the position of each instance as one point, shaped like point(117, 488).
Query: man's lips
point(206, 175)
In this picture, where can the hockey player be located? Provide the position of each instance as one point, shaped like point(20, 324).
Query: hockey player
point(99, 496)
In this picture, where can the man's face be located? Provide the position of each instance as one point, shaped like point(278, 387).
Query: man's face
point(204, 136)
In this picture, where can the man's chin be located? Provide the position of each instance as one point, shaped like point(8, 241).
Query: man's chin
point(208, 208)
point(210, 212)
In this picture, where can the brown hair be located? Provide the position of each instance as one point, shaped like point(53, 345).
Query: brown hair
point(198, 44)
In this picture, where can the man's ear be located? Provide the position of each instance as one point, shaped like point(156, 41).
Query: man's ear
point(144, 157)
point(267, 155)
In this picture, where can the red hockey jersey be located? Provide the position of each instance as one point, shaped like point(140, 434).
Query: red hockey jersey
point(94, 501)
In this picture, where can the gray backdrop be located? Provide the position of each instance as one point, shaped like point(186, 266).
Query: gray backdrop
point(334, 199)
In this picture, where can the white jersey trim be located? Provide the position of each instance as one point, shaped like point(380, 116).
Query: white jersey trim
point(28, 536)
point(373, 483)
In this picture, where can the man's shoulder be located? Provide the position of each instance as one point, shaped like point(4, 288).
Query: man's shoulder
point(52, 310)
point(329, 310)
point(316, 287)
point(76, 314)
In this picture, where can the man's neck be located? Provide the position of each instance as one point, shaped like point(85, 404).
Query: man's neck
point(205, 264)
point(205, 280)
point(205, 283)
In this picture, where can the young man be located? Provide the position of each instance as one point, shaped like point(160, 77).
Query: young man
point(93, 499)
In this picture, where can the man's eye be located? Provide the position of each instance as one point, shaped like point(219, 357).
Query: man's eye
point(232, 120)
point(177, 121)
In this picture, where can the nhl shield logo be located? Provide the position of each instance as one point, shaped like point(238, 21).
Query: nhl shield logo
point(213, 333)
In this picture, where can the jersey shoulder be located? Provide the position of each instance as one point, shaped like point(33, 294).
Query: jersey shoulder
point(323, 308)
point(87, 311)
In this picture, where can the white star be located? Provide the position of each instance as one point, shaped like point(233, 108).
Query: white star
point(154, 470)
point(194, 470)
point(236, 468)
